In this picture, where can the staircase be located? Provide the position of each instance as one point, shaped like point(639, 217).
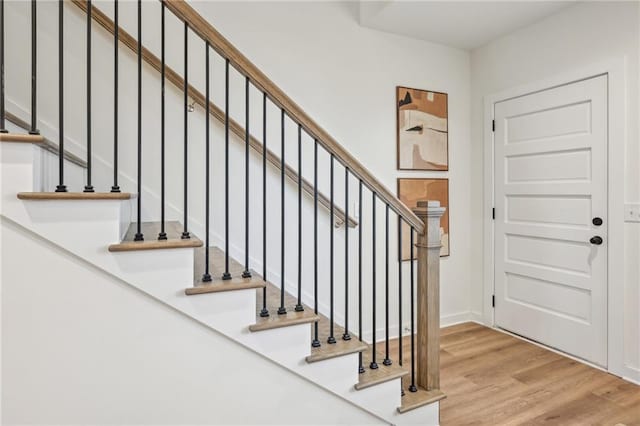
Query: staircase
point(313, 289)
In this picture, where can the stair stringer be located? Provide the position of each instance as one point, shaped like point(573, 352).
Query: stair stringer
point(90, 226)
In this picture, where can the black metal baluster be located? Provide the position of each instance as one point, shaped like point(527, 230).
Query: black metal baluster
point(400, 297)
point(226, 275)
point(299, 307)
point(115, 187)
point(264, 312)
point(206, 276)
point(185, 232)
point(162, 235)
point(412, 387)
point(34, 69)
point(88, 187)
point(61, 187)
point(2, 111)
point(282, 310)
point(246, 273)
point(345, 335)
point(360, 366)
point(315, 343)
point(386, 361)
point(331, 339)
point(139, 236)
point(400, 289)
point(373, 365)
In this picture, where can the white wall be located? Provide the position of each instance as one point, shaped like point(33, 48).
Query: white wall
point(579, 36)
point(98, 351)
point(343, 75)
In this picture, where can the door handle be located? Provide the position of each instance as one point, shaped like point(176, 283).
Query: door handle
point(597, 221)
point(596, 240)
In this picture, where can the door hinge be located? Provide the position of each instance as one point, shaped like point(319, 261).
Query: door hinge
point(493, 213)
point(493, 301)
point(493, 125)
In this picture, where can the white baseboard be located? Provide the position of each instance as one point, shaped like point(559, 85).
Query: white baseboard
point(635, 379)
point(478, 317)
point(453, 319)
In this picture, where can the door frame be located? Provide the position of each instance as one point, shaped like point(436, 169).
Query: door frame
point(614, 69)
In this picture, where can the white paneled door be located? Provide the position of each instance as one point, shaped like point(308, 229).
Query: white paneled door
point(551, 217)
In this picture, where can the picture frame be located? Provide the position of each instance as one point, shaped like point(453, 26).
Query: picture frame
point(412, 190)
point(422, 129)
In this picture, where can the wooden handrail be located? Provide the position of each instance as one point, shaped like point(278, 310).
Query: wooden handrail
point(173, 77)
point(200, 26)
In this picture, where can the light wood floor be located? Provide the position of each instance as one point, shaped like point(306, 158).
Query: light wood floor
point(491, 378)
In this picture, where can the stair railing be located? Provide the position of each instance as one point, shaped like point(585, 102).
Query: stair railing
point(197, 98)
point(423, 222)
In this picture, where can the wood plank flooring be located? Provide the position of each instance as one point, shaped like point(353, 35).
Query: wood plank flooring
point(491, 378)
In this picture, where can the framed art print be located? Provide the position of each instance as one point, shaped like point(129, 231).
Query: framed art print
point(410, 191)
point(422, 129)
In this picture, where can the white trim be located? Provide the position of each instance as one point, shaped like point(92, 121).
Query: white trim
point(615, 69)
point(477, 317)
point(487, 228)
point(453, 319)
point(636, 378)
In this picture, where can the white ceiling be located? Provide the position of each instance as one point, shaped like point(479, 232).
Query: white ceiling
point(461, 24)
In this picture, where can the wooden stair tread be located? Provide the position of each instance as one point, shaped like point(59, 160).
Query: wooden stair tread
point(74, 196)
point(216, 268)
point(383, 373)
point(218, 285)
point(340, 348)
point(290, 318)
point(20, 137)
point(155, 244)
point(150, 231)
point(274, 320)
point(413, 400)
point(326, 350)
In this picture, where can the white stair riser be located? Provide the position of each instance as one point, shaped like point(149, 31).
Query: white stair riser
point(228, 312)
point(16, 170)
point(341, 372)
point(278, 344)
point(372, 396)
